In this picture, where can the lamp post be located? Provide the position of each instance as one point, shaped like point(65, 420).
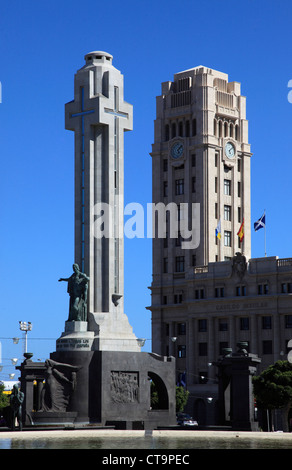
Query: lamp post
point(141, 342)
point(25, 326)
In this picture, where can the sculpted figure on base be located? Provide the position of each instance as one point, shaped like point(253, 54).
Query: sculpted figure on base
point(77, 289)
point(16, 400)
point(60, 382)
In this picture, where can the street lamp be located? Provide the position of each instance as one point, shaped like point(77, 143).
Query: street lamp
point(14, 361)
point(25, 326)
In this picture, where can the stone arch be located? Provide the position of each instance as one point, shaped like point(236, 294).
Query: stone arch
point(163, 401)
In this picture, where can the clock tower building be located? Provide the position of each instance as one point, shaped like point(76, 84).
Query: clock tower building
point(201, 156)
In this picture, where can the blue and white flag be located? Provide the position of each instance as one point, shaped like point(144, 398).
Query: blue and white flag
point(261, 223)
point(182, 380)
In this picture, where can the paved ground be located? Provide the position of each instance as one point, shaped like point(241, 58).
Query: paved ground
point(105, 433)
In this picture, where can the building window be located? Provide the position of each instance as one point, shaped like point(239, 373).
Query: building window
point(179, 264)
point(239, 189)
point(166, 329)
point(267, 323)
point(227, 238)
point(193, 160)
point(165, 265)
point(194, 260)
point(199, 294)
point(244, 323)
point(227, 187)
point(165, 188)
point(166, 132)
point(181, 351)
point(239, 215)
point(240, 291)
point(223, 325)
point(263, 289)
point(203, 349)
point(202, 325)
point(288, 321)
point(219, 291)
point(165, 164)
point(227, 213)
point(179, 187)
point(173, 130)
point(216, 160)
point(216, 184)
point(194, 127)
point(239, 164)
point(267, 347)
point(236, 132)
point(286, 288)
point(182, 328)
point(164, 299)
point(193, 184)
point(178, 298)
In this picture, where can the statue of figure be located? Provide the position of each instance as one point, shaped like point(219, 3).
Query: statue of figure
point(16, 400)
point(77, 289)
point(60, 382)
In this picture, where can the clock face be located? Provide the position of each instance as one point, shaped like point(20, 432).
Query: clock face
point(177, 150)
point(229, 150)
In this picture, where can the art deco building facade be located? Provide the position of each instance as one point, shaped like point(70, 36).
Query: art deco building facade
point(211, 295)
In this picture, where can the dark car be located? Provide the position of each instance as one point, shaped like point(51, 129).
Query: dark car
point(184, 419)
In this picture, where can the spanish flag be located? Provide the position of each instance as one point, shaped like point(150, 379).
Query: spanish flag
point(240, 232)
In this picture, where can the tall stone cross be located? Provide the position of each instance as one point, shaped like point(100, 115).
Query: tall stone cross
point(99, 116)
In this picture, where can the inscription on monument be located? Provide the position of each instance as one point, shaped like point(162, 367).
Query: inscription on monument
point(73, 343)
point(124, 387)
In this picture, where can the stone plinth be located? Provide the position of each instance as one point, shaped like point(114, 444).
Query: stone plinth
point(112, 332)
point(76, 337)
point(236, 401)
point(53, 418)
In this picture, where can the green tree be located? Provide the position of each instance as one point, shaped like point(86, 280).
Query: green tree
point(4, 399)
point(273, 389)
point(182, 396)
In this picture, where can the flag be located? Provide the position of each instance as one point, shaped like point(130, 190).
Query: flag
point(218, 230)
point(182, 382)
point(261, 223)
point(240, 232)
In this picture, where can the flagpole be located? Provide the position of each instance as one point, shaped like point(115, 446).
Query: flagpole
point(265, 234)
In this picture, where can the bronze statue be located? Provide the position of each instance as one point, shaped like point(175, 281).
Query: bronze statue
point(60, 382)
point(16, 400)
point(77, 289)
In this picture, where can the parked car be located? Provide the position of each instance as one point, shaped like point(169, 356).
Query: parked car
point(184, 419)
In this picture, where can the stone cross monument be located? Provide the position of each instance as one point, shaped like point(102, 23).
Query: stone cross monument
point(98, 115)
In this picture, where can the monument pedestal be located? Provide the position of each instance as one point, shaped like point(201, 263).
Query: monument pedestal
point(53, 418)
point(236, 401)
point(76, 337)
point(114, 388)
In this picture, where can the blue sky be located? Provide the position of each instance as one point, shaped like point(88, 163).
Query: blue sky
point(42, 45)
